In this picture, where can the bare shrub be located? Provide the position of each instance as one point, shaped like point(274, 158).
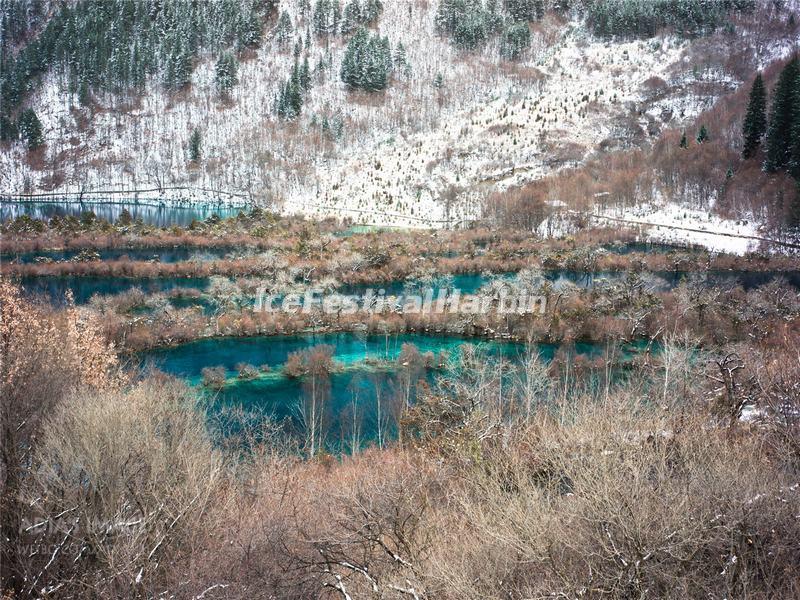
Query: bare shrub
point(120, 484)
point(45, 357)
point(622, 503)
point(213, 377)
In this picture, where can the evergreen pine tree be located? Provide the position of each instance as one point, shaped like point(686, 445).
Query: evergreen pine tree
point(525, 10)
point(684, 141)
point(783, 118)
point(353, 61)
point(8, 129)
point(125, 218)
point(367, 61)
point(371, 11)
point(702, 135)
point(225, 76)
point(516, 39)
point(30, 129)
point(322, 18)
point(351, 17)
point(336, 16)
point(755, 121)
point(248, 28)
point(195, 145)
point(794, 146)
point(305, 75)
point(400, 57)
point(283, 31)
point(296, 90)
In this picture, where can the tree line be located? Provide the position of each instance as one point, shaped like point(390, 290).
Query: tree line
point(470, 24)
point(118, 46)
point(780, 132)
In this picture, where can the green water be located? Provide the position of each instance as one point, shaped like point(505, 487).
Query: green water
point(366, 373)
point(163, 255)
point(152, 212)
point(83, 288)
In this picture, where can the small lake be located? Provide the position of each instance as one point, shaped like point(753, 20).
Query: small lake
point(368, 373)
point(83, 288)
point(151, 213)
point(159, 254)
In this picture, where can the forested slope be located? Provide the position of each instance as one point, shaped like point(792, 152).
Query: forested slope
point(384, 112)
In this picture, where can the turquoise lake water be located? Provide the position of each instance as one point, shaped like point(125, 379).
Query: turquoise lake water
point(151, 213)
point(367, 370)
point(164, 255)
point(83, 288)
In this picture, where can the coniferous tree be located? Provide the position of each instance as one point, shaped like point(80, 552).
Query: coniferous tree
point(289, 100)
point(794, 150)
point(469, 23)
point(351, 17)
point(359, 12)
point(516, 39)
point(248, 28)
point(322, 20)
point(283, 30)
point(684, 142)
point(472, 30)
point(794, 216)
point(8, 129)
point(645, 17)
point(783, 118)
point(305, 75)
point(371, 11)
point(30, 129)
point(125, 218)
point(225, 76)
point(353, 58)
point(702, 135)
point(400, 57)
point(336, 16)
point(367, 61)
point(118, 46)
point(525, 10)
point(195, 145)
point(794, 146)
point(755, 121)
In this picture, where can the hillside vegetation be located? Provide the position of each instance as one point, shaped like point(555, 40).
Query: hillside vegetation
point(404, 113)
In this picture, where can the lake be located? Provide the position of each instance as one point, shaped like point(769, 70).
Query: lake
point(83, 288)
point(368, 381)
point(152, 213)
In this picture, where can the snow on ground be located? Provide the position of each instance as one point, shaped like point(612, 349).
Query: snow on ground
point(674, 224)
point(565, 104)
point(415, 156)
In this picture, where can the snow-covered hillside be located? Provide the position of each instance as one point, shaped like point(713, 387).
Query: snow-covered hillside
point(419, 154)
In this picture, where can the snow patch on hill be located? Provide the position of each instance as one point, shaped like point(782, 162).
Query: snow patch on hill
point(416, 155)
point(675, 224)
